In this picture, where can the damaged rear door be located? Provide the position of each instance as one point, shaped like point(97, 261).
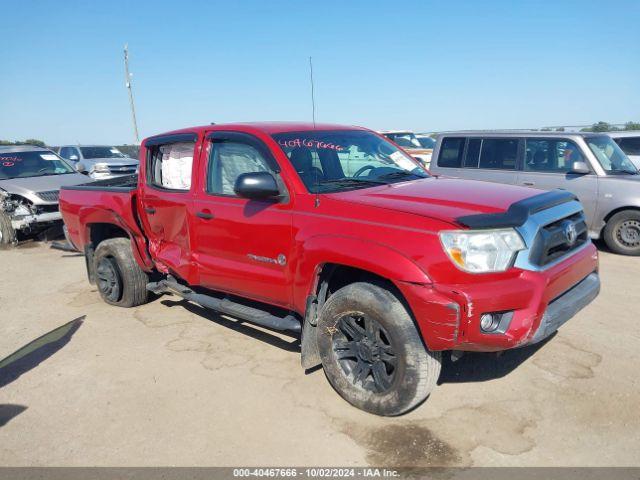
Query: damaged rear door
point(165, 196)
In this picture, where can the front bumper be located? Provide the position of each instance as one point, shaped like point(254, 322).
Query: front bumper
point(448, 316)
point(566, 306)
point(27, 221)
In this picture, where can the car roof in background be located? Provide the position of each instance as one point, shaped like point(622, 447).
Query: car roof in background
point(90, 145)
point(518, 133)
point(625, 133)
point(22, 148)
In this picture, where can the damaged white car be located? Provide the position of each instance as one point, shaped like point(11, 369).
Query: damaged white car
point(30, 181)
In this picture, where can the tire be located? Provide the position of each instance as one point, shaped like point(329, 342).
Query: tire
point(389, 340)
point(622, 233)
point(119, 278)
point(7, 233)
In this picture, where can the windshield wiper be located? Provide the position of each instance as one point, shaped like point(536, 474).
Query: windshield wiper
point(351, 180)
point(400, 174)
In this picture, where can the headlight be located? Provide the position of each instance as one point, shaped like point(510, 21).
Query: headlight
point(482, 251)
point(100, 168)
point(22, 211)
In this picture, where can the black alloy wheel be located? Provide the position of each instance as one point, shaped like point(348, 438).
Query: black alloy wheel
point(109, 278)
point(365, 353)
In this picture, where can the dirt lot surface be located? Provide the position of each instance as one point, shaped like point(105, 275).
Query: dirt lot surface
point(168, 384)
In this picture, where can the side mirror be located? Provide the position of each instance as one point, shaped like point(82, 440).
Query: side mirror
point(80, 168)
point(73, 157)
point(580, 167)
point(256, 186)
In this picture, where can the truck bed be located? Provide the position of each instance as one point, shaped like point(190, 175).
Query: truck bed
point(125, 183)
point(87, 207)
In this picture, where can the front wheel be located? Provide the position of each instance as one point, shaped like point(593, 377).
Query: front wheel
point(119, 278)
point(372, 353)
point(622, 233)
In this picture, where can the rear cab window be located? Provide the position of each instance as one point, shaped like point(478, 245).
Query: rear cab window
point(169, 166)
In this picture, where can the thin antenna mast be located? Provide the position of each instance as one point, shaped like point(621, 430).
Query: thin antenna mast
point(313, 100)
point(128, 85)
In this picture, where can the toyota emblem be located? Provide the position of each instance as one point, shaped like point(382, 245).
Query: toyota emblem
point(570, 233)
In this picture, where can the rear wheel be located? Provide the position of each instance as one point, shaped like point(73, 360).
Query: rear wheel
point(7, 234)
point(372, 353)
point(622, 232)
point(119, 278)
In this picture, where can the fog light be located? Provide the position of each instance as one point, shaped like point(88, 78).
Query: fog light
point(489, 322)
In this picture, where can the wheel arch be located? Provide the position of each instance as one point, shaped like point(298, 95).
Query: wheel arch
point(332, 262)
point(608, 216)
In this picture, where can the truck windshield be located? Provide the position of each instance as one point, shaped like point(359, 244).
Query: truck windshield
point(31, 164)
point(101, 152)
point(331, 161)
point(610, 156)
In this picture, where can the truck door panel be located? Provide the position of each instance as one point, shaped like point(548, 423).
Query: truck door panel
point(165, 203)
point(241, 246)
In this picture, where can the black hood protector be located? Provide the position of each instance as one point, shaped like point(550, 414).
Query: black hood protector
point(518, 212)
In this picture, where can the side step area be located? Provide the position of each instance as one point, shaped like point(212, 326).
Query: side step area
point(226, 306)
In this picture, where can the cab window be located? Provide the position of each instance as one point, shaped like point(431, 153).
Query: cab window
point(170, 166)
point(227, 161)
point(551, 155)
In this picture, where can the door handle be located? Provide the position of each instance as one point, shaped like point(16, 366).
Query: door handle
point(528, 184)
point(205, 214)
point(150, 210)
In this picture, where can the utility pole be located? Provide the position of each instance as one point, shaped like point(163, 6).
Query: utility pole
point(313, 98)
point(128, 85)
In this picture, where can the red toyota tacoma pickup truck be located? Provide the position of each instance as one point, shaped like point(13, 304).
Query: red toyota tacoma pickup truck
point(337, 234)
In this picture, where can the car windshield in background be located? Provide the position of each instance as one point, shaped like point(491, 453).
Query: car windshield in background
point(405, 140)
point(427, 142)
point(31, 164)
point(332, 161)
point(101, 152)
point(611, 157)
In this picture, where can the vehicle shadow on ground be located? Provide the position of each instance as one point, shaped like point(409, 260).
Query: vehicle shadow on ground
point(472, 367)
point(480, 367)
point(240, 326)
point(9, 411)
point(37, 351)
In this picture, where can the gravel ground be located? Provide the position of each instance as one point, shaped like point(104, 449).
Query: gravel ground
point(169, 384)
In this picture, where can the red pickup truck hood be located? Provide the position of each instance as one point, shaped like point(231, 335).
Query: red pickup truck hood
point(441, 198)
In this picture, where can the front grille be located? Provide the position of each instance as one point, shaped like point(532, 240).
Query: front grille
point(552, 241)
point(51, 196)
point(46, 208)
point(122, 170)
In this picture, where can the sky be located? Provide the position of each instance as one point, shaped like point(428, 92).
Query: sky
point(420, 65)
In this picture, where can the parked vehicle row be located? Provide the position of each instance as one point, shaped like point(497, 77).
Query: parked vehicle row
point(99, 161)
point(338, 234)
point(420, 147)
point(31, 177)
point(590, 165)
point(30, 181)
